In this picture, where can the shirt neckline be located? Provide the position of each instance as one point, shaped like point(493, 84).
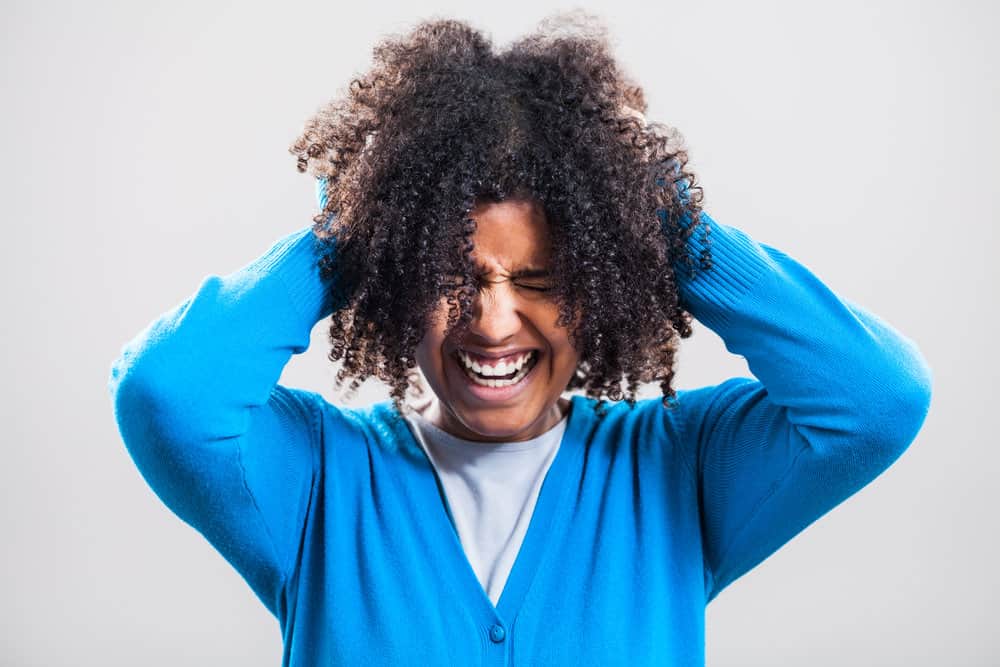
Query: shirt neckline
point(437, 527)
point(455, 442)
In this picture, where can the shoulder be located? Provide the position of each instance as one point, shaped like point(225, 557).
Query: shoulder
point(333, 423)
point(362, 431)
point(693, 405)
point(676, 429)
point(686, 405)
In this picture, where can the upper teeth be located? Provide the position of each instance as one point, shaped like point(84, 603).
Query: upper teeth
point(502, 368)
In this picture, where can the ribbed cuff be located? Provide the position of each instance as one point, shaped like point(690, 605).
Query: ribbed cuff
point(294, 259)
point(737, 265)
point(321, 192)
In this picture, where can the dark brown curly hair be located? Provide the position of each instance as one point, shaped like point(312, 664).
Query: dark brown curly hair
point(442, 121)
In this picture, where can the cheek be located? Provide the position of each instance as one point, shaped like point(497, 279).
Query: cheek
point(565, 357)
point(428, 350)
point(559, 336)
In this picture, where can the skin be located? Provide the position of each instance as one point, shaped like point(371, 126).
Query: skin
point(510, 236)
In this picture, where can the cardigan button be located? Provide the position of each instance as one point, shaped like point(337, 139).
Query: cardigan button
point(497, 633)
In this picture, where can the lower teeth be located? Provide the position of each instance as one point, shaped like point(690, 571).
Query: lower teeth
point(494, 382)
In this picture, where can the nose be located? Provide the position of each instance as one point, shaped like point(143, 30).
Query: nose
point(495, 315)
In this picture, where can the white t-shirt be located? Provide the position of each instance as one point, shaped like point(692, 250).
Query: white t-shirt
point(491, 488)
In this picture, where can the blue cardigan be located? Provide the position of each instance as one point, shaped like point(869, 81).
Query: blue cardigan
point(334, 517)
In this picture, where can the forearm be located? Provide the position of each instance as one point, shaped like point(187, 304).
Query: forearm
point(835, 367)
point(220, 352)
point(198, 406)
point(837, 396)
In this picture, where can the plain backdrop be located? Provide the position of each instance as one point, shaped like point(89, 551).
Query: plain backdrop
point(144, 146)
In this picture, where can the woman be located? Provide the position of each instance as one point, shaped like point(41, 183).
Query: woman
point(510, 225)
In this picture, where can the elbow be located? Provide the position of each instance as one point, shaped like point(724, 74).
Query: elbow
point(127, 387)
point(894, 392)
point(142, 411)
point(131, 401)
point(907, 399)
point(916, 390)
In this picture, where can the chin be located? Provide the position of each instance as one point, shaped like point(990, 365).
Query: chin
point(488, 423)
point(494, 426)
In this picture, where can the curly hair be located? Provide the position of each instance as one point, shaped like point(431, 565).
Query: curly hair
point(441, 122)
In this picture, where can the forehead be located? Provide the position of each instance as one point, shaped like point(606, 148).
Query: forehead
point(510, 235)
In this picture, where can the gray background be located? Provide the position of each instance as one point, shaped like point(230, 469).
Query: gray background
point(144, 147)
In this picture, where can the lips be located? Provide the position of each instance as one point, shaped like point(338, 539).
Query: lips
point(509, 371)
point(496, 356)
point(501, 393)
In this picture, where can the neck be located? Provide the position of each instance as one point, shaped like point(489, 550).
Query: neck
point(430, 408)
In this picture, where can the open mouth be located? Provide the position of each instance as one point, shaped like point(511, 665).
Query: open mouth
point(510, 378)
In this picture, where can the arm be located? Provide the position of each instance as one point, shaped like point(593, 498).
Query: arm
point(196, 399)
point(838, 396)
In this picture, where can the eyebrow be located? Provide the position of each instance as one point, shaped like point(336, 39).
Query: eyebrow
point(529, 272)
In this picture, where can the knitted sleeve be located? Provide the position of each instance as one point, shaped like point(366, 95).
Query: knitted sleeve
point(838, 395)
point(198, 405)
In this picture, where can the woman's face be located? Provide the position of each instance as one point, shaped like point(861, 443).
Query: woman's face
point(512, 316)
